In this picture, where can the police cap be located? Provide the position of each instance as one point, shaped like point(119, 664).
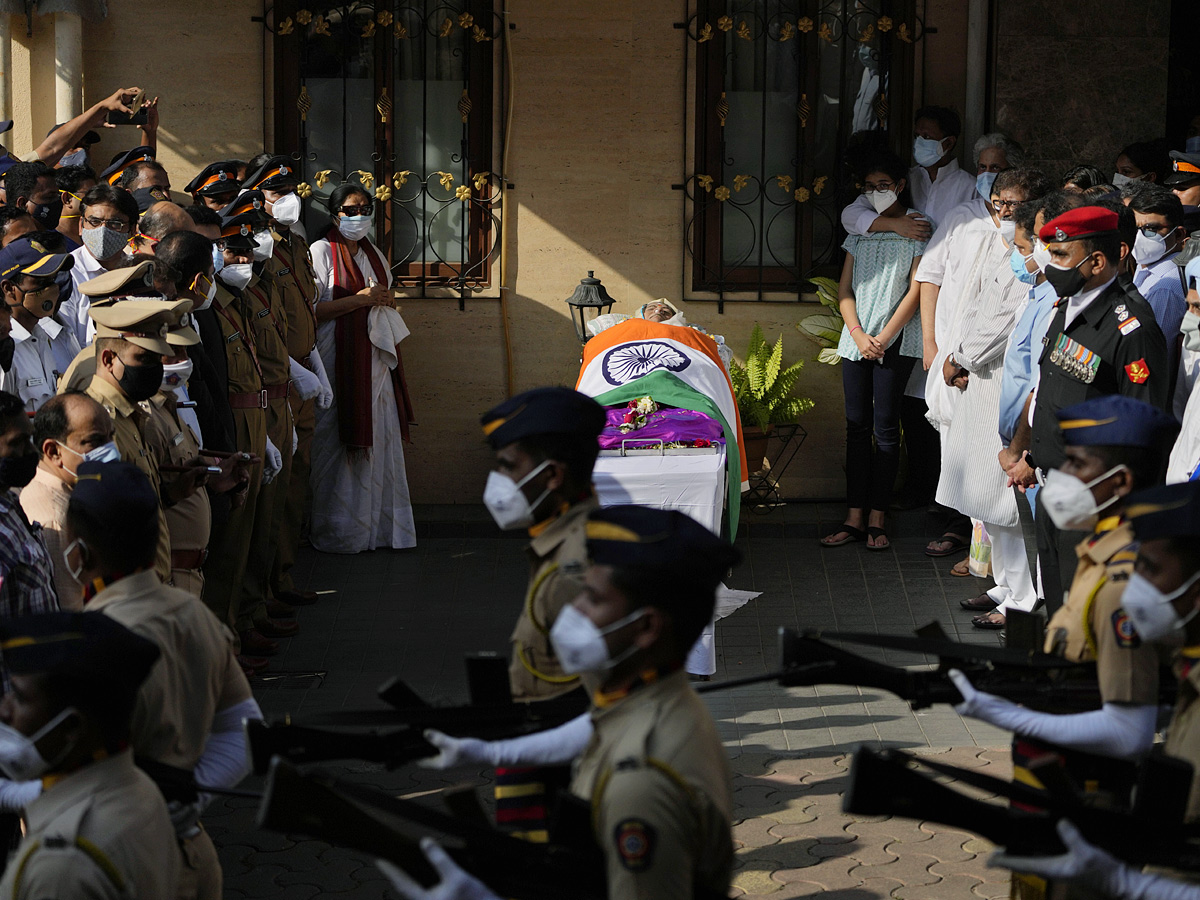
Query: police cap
point(123, 161)
point(215, 179)
point(1185, 169)
point(147, 197)
point(1081, 222)
point(1115, 421)
point(237, 232)
point(143, 323)
point(247, 202)
point(664, 540)
point(29, 256)
point(276, 172)
point(1165, 511)
point(127, 281)
point(82, 645)
point(551, 410)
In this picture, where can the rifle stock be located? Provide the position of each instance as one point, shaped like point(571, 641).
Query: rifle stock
point(301, 744)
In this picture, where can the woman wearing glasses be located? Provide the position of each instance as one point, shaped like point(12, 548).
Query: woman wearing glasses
point(106, 225)
point(360, 488)
point(880, 343)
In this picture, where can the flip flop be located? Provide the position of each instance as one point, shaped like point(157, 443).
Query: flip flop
point(856, 535)
point(985, 621)
point(956, 542)
point(962, 568)
point(878, 533)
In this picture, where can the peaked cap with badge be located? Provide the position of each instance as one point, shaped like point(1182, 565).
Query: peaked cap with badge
point(276, 172)
point(1081, 222)
point(1116, 421)
point(550, 410)
point(29, 256)
point(123, 161)
point(215, 179)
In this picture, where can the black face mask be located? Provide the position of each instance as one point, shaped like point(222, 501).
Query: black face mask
point(141, 382)
point(1066, 282)
point(7, 347)
point(18, 471)
point(48, 214)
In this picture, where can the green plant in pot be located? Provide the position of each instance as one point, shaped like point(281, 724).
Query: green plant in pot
point(763, 388)
point(824, 329)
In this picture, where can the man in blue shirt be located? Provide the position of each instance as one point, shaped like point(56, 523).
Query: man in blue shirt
point(1160, 236)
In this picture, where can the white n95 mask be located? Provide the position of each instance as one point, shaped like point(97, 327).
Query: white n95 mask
point(1069, 501)
point(881, 200)
point(19, 756)
point(286, 210)
point(507, 502)
point(1153, 612)
point(579, 644)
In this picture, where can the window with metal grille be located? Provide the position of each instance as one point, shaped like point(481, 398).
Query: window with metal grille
point(781, 89)
point(401, 97)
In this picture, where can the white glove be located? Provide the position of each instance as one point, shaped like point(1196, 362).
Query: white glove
point(295, 440)
point(554, 746)
point(184, 817)
point(16, 795)
point(325, 398)
point(272, 463)
point(1086, 865)
point(455, 884)
point(306, 383)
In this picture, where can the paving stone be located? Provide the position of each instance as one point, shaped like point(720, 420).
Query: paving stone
point(907, 868)
point(950, 887)
point(753, 833)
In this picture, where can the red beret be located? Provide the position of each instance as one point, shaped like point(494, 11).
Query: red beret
point(1085, 221)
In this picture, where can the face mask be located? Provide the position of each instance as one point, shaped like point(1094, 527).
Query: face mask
point(19, 756)
point(579, 644)
point(1192, 145)
point(1020, 267)
point(1066, 282)
point(141, 382)
point(263, 244)
point(1153, 612)
point(1041, 255)
point(105, 453)
point(286, 210)
point(983, 184)
point(103, 243)
point(927, 151)
point(48, 213)
point(354, 228)
point(41, 303)
point(1070, 502)
point(1008, 230)
point(882, 200)
point(75, 572)
point(1190, 329)
point(8, 346)
point(18, 471)
point(1148, 248)
point(1119, 181)
point(237, 275)
point(78, 158)
point(175, 374)
point(218, 260)
point(506, 501)
point(209, 293)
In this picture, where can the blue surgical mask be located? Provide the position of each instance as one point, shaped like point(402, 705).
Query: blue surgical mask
point(105, 453)
point(218, 259)
point(1020, 268)
point(983, 184)
point(927, 151)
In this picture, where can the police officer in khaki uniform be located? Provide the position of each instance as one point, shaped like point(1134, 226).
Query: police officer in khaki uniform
point(290, 269)
point(653, 773)
point(546, 445)
point(263, 312)
point(129, 347)
point(99, 828)
point(187, 724)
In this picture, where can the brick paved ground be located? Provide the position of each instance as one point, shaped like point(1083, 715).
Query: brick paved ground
point(414, 613)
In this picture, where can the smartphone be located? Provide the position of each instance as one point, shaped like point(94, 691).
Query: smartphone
point(213, 470)
point(137, 117)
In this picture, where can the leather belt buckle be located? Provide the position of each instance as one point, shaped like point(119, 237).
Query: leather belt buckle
point(263, 395)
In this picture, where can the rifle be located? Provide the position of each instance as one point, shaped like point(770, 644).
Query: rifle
point(301, 744)
point(886, 783)
point(1037, 680)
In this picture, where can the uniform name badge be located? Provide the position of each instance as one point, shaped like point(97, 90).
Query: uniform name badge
point(1075, 359)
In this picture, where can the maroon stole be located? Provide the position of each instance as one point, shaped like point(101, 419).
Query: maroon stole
point(352, 368)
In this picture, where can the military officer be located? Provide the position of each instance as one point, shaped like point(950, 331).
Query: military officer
point(187, 723)
point(129, 349)
point(1102, 340)
point(216, 185)
point(99, 828)
point(545, 442)
point(290, 269)
point(653, 773)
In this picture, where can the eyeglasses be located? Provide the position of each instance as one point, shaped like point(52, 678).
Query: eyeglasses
point(1007, 204)
point(115, 224)
point(364, 210)
point(1150, 228)
point(878, 188)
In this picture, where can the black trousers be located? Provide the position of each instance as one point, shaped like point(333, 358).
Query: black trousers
point(1057, 557)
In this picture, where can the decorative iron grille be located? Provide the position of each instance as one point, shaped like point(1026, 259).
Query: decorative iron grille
point(399, 96)
point(781, 89)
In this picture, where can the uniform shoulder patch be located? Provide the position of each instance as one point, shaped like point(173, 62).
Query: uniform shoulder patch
point(1137, 371)
point(1124, 631)
point(636, 840)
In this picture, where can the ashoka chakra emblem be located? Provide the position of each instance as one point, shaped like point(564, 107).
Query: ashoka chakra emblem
point(629, 361)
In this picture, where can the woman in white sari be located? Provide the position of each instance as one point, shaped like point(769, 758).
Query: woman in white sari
point(360, 488)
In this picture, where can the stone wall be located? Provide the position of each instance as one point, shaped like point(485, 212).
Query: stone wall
point(1076, 82)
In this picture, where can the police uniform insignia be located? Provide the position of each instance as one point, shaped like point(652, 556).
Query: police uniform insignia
point(38, 247)
point(635, 844)
point(283, 271)
point(1124, 631)
point(1075, 359)
point(1060, 235)
point(1129, 325)
point(1122, 313)
point(1138, 371)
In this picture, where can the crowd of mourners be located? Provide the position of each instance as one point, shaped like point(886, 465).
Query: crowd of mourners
point(187, 385)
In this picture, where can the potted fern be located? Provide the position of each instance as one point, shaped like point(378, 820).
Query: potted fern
point(824, 329)
point(763, 388)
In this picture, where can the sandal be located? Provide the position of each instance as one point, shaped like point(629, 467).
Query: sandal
point(877, 533)
point(854, 536)
point(957, 545)
point(987, 622)
point(962, 568)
